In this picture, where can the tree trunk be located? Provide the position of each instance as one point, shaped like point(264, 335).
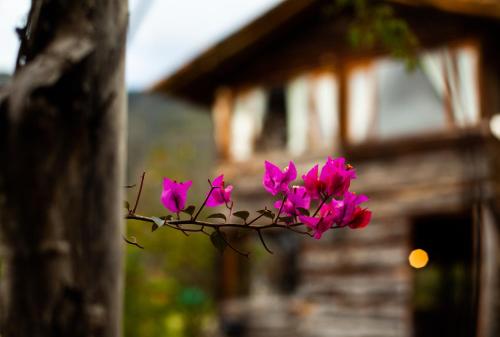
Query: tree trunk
point(62, 148)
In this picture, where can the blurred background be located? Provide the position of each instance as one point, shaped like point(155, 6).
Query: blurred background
point(408, 91)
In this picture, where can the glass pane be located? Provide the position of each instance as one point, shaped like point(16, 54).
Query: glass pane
point(406, 101)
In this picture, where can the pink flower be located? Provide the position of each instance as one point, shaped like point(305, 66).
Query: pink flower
point(341, 213)
point(336, 176)
point(361, 218)
point(347, 210)
point(312, 184)
point(319, 225)
point(174, 194)
point(334, 180)
point(220, 194)
point(296, 198)
point(275, 180)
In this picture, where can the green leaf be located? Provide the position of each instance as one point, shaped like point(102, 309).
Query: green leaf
point(267, 213)
point(303, 211)
point(218, 239)
point(217, 216)
point(242, 215)
point(126, 205)
point(287, 219)
point(158, 222)
point(189, 210)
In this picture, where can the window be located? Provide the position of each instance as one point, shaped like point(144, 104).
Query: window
point(385, 100)
point(299, 116)
point(273, 135)
point(407, 103)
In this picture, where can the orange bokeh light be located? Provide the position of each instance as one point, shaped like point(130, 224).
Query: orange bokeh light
point(418, 258)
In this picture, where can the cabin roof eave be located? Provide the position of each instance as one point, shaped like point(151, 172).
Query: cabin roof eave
point(194, 81)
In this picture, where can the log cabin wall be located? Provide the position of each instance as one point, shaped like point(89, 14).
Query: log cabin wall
point(359, 282)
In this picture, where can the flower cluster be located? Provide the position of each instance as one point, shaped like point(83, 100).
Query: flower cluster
point(326, 190)
point(338, 207)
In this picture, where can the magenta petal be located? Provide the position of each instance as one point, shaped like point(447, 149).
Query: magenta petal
point(227, 193)
point(183, 187)
point(174, 194)
point(272, 170)
point(277, 204)
point(361, 218)
point(219, 195)
point(219, 181)
point(336, 177)
point(172, 201)
point(309, 221)
point(272, 178)
point(349, 204)
point(311, 182)
point(214, 201)
point(167, 183)
point(290, 173)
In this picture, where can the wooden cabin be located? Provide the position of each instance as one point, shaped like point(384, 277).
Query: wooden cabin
point(289, 85)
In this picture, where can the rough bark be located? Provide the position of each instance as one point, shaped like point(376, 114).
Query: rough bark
point(62, 124)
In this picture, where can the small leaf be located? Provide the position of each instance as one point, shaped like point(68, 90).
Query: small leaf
point(242, 215)
point(158, 222)
point(126, 205)
point(218, 239)
point(167, 217)
point(287, 219)
point(217, 216)
point(267, 213)
point(303, 211)
point(189, 210)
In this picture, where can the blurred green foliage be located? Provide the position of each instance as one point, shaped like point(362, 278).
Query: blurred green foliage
point(170, 284)
point(375, 24)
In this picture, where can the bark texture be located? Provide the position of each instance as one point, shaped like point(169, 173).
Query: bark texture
point(62, 125)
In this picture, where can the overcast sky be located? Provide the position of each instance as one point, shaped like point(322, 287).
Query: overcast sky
point(164, 34)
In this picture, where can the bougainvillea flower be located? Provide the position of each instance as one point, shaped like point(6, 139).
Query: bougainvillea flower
point(174, 194)
point(344, 211)
point(361, 218)
point(336, 177)
point(341, 213)
point(296, 198)
point(334, 180)
point(275, 180)
point(319, 225)
point(312, 184)
point(220, 194)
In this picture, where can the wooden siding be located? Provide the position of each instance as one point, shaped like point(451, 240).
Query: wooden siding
point(358, 282)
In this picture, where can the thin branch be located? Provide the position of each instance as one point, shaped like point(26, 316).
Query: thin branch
point(320, 205)
point(138, 194)
point(257, 218)
point(245, 254)
point(281, 208)
point(213, 225)
point(299, 231)
point(264, 242)
point(182, 230)
point(204, 202)
point(178, 225)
